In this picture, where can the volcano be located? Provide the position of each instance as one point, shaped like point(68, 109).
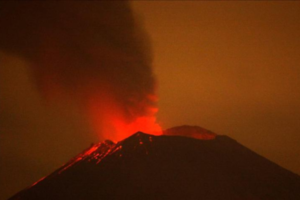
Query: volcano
point(185, 163)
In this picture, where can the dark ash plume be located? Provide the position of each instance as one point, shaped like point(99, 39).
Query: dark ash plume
point(91, 51)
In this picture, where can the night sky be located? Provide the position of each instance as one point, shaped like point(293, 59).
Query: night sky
point(230, 67)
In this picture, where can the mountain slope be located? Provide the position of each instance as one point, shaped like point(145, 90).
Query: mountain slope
point(168, 167)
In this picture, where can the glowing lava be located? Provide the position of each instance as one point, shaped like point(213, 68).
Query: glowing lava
point(117, 129)
point(111, 121)
point(143, 124)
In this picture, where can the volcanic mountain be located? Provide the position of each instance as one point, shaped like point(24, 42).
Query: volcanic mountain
point(201, 166)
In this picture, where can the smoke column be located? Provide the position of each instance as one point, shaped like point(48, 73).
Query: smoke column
point(93, 52)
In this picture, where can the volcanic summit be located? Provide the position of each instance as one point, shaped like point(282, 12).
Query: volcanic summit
point(171, 166)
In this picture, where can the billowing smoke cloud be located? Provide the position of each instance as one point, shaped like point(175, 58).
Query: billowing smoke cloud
point(93, 52)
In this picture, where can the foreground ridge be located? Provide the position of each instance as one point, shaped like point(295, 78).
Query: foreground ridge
point(144, 166)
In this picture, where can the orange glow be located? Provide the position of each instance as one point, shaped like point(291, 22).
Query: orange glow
point(111, 122)
point(143, 124)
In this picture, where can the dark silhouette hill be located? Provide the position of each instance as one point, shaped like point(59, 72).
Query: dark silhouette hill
point(170, 166)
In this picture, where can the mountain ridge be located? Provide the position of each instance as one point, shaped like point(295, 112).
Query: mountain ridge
point(144, 166)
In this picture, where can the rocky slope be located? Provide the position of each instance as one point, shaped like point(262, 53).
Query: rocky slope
point(168, 167)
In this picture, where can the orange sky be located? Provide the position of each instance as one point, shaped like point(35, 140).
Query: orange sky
point(231, 67)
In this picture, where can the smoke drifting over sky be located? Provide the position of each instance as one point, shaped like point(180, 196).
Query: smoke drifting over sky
point(230, 67)
point(93, 53)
